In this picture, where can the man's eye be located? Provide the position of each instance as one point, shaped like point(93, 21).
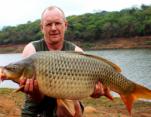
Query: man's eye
point(48, 24)
point(58, 23)
point(54, 23)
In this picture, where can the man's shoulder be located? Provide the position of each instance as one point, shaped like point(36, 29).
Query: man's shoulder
point(40, 45)
point(37, 41)
point(28, 50)
point(69, 42)
point(76, 47)
point(68, 45)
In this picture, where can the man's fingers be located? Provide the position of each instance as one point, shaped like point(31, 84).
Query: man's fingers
point(22, 81)
point(98, 91)
point(31, 85)
point(26, 88)
point(101, 89)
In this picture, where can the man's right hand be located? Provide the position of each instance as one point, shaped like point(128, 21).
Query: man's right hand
point(31, 89)
point(101, 90)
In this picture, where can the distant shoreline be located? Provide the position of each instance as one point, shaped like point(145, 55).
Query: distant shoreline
point(119, 43)
point(116, 43)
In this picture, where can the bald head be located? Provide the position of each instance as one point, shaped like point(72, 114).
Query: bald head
point(50, 8)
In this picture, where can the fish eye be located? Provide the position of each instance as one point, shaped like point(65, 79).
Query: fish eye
point(11, 67)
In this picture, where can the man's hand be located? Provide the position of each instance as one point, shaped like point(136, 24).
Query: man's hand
point(101, 90)
point(31, 88)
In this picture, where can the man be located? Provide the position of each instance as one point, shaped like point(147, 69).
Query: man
point(53, 26)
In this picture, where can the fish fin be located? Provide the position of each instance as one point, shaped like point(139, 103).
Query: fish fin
point(128, 101)
point(19, 89)
point(116, 67)
point(140, 92)
point(107, 93)
point(68, 104)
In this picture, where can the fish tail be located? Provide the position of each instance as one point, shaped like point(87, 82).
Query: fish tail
point(139, 92)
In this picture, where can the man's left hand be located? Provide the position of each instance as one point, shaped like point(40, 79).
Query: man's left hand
point(101, 90)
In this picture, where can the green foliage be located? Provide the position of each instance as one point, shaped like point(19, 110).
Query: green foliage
point(22, 33)
point(88, 27)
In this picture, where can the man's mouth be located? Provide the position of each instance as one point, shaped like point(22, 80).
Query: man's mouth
point(54, 34)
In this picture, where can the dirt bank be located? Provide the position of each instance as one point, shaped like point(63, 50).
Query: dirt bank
point(10, 106)
point(116, 43)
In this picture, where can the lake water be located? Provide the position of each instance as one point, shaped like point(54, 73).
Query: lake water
point(135, 64)
point(4, 60)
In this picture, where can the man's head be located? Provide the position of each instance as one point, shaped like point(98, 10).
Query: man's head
point(53, 25)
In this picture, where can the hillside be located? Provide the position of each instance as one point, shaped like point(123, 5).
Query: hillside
point(102, 26)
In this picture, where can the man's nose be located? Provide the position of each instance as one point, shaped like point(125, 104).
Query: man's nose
point(53, 26)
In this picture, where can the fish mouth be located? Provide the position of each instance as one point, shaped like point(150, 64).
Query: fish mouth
point(2, 75)
point(1, 80)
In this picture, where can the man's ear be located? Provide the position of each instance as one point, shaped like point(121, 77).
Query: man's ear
point(66, 25)
point(41, 27)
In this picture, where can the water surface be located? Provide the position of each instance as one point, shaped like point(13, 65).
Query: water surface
point(135, 63)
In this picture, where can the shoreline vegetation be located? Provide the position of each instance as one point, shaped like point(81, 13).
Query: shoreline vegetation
point(115, 43)
point(11, 104)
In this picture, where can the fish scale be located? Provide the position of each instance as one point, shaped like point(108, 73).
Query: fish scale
point(74, 75)
point(84, 87)
point(85, 81)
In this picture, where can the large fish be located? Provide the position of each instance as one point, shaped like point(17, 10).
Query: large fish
point(73, 75)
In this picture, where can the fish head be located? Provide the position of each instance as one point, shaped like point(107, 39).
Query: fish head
point(11, 72)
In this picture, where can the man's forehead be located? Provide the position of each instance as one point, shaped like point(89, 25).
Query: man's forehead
point(53, 20)
point(50, 18)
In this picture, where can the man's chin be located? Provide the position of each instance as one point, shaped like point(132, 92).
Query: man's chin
point(55, 41)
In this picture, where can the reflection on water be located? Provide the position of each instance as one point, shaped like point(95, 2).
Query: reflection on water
point(135, 63)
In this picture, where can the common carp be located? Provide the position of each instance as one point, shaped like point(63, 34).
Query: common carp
point(73, 75)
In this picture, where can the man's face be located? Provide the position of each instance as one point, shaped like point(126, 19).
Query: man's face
point(53, 26)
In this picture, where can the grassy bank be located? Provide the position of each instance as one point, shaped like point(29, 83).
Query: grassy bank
point(10, 106)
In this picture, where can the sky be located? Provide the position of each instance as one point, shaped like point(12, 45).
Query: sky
point(15, 12)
